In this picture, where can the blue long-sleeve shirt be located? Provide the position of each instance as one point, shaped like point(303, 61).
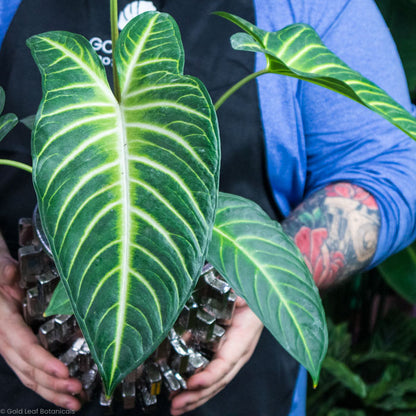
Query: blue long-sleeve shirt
point(314, 136)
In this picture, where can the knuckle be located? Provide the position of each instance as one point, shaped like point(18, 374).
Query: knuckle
point(30, 384)
point(226, 366)
point(8, 270)
point(29, 372)
point(3, 345)
point(246, 355)
point(25, 353)
point(52, 384)
point(229, 366)
point(55, 385)
point(222, 384)
point(57, 400)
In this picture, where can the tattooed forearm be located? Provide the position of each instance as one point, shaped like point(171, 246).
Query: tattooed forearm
point(336, 230)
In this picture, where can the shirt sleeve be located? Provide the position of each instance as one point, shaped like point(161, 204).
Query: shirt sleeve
point(345, 141)
point(7, 11)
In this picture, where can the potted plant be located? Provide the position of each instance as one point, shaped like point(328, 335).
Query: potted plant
point(127, 186)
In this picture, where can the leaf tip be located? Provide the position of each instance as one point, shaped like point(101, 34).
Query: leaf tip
point(47, 314)
point(315, 379)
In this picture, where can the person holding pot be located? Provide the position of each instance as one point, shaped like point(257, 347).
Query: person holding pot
point(292, 147)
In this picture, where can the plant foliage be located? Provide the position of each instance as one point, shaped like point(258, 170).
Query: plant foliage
point(399, 271)
point(375, 377)
point(7, 121)
point(265, 268)
point(127, 191)
point(297, 51)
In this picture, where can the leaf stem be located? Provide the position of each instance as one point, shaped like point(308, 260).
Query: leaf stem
point(15, 164)
point(114, 37)
point(237, 86)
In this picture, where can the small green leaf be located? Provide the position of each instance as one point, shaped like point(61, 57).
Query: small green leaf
point(59, 303)
point(297, 51)
point(265, 267)
point(382, 356)
point(7, 121)
point(340, 344)
point(345, 412)
point(345, 376)
point(391, 377)
point(399, 271)
point(2, 99)
point(401, 396)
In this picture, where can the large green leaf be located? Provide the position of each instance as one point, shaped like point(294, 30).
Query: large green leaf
point(297, 51)
point(399, 271)
point(127, 192)
point(265, 268)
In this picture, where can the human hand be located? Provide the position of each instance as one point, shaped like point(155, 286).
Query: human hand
point(36, 368)
point(241, 339)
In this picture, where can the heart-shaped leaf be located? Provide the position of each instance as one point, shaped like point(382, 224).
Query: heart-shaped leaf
point(126, 191)
point(297, 51)
point(264, 267)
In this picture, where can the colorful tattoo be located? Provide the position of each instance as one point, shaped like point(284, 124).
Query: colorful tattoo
point(336, 230)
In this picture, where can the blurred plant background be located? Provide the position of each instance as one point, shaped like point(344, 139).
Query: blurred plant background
point(400, 16)
point(370, 369)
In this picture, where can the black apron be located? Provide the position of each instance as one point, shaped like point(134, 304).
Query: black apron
point(264, 386)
